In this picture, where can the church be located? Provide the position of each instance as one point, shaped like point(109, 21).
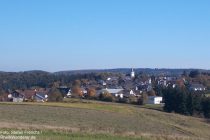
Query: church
point(132, 73)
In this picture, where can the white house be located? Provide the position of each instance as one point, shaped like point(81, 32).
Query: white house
point(16, 96)
point(132, 92)
point(68, 95)
point(154, 100)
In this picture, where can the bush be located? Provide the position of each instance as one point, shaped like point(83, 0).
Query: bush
point(106, 97)
point(143, 99)
point(55, 95)
point(133, 100)
point(77, 92)
point(91, 93)
point(152, 93)
point(123, 100)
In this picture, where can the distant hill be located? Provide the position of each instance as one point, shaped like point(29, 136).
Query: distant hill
point(149, 71)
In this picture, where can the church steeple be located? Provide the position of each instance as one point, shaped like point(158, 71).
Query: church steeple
point(132, 73)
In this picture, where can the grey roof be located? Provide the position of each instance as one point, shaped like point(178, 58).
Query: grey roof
point(113, 91)
point(197, 86)
point(40, 95)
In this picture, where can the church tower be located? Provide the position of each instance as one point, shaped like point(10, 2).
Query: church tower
point(132, 74)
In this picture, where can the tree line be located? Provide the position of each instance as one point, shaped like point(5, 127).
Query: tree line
point(26, 80)
point(181, 100)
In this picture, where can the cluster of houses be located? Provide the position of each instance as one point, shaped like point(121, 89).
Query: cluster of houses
point(40, 95)
point(172, 81)
point(120, 87)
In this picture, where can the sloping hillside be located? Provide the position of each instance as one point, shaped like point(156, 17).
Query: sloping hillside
point(91, 119)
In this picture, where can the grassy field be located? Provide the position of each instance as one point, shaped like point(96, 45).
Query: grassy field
point(77, 119)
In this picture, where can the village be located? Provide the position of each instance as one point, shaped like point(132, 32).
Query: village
point(129, 88)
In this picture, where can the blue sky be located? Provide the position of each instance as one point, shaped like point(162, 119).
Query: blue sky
point(55, 35)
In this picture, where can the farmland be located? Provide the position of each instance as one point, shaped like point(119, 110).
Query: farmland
point(97, 120)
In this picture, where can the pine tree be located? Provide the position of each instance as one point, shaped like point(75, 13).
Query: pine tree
point(206, 107)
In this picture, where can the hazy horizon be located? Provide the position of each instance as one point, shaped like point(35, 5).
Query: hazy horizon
point(54, 35)
point(104, 69)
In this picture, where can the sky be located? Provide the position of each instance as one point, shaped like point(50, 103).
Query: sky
point(55, 35)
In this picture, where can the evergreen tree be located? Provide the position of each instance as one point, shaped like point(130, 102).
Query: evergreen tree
point(169, 99)
point(190, 104)
point(197, 103)
point(206, 107)
point(181, 101)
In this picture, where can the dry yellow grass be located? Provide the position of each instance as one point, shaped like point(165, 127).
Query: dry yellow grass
point(102, 118)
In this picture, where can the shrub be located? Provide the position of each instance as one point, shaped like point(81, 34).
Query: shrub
point(106, 97)
point(77, 92)
point(143, 99)
point(152, 93)
point(55, 95)
point(133, 100)
point(91, 93)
